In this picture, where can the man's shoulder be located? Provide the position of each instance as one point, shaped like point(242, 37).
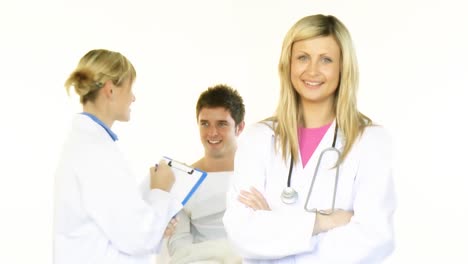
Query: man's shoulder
point(198, 164)
point(261, 128)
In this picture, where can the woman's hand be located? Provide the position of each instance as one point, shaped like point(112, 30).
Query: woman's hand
point(162, 177)
point(338, 218)
point(170, 229)
point(254, 199)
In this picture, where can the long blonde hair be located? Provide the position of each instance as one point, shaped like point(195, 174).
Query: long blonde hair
point(289, 113)
point(95, 68)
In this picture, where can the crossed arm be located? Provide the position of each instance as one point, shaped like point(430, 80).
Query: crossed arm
point(255, 200)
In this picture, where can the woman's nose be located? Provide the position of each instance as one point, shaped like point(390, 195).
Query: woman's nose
point(312, 68)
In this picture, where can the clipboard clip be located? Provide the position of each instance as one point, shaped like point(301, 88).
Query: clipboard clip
point(181, 166)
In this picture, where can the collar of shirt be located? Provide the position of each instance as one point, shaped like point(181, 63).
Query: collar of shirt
point(98, 121)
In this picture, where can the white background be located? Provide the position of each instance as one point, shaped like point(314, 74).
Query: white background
point(413, 63)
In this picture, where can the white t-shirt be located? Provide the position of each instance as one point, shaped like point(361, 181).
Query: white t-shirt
point(202, 217)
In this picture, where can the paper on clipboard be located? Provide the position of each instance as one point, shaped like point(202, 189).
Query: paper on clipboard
point(187, 179)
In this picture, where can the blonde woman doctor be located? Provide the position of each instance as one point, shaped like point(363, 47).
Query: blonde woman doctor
point(313, 184)
point(101, 216)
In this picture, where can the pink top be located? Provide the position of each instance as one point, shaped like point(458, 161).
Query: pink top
point(309, 139)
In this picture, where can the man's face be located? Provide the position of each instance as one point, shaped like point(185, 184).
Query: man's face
point(218, 131)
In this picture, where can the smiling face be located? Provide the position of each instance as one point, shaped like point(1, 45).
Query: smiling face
point(218, 132)
point(315, 69)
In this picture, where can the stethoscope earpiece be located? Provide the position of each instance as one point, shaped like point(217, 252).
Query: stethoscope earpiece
point(289, 195)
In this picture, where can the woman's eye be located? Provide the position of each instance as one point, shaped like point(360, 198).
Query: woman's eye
point(302, 58)
point(326, 60)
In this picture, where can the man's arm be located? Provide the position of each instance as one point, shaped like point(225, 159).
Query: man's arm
point(181, 236)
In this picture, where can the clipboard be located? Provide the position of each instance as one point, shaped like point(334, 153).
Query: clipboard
point(188, 179)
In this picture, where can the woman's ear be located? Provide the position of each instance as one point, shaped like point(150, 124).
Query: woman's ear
point(107, 89)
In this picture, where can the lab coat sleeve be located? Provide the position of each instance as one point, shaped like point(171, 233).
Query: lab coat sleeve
point(262, 234)
point(182, 236)
point(368, 238)
point(133, 223)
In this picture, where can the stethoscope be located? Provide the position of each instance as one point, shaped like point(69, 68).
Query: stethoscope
point(290, 196)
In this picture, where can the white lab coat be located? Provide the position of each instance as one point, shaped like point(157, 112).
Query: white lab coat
point(284, 235)
point(101, 216)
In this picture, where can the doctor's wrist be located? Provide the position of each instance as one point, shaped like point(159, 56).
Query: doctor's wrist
point(318, 228)
point(338, 218)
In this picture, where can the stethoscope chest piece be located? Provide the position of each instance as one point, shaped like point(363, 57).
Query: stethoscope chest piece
point(289, 195)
